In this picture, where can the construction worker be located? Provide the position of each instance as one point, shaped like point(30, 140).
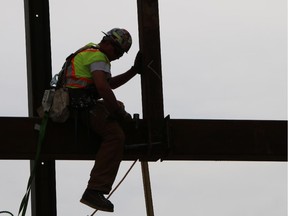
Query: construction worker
point(90, 69)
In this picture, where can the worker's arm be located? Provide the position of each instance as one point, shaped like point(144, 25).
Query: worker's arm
point(105, 91)
point(121, 79)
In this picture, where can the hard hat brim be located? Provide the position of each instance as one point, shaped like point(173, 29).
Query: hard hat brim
point(113, 40)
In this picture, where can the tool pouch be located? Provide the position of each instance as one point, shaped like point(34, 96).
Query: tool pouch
point(56, 102)
point(59, 111)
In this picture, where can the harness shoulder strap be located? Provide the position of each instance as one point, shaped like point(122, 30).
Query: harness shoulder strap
point(59, 80)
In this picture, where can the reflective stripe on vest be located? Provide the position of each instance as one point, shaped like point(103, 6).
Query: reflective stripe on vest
point(78, 73)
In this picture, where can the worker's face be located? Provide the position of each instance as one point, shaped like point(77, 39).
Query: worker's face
point(113, 52)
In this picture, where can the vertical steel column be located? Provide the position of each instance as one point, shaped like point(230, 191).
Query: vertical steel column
point(151, 78)
point(151, 84)
point(43, 193)
point(38, 51)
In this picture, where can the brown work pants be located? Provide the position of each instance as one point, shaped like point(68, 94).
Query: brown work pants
point(110, 153)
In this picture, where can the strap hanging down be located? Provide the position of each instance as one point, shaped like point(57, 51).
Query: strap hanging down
point(24, 202)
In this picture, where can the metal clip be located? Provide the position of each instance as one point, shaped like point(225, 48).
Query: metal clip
point(47, 99)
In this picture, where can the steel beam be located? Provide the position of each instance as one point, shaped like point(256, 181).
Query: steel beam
point(38, 52)
point(44, 193)
point(229, 140)
point(151, 78)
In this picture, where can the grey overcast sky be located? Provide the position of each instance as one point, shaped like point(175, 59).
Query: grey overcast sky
point(224, 59)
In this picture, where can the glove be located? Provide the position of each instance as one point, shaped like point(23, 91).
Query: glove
point(138, 63)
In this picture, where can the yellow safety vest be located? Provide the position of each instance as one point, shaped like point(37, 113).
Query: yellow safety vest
point(78, 74)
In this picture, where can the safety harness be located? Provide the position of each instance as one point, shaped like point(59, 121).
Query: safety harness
point(79, 99)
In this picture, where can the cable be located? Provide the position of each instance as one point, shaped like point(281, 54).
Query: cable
point(25, 200)
point(120, 182)
point(6, 212)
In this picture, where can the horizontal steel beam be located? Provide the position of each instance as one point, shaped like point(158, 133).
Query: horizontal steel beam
point(237, 140)
point(67, 141)
point(231, 140)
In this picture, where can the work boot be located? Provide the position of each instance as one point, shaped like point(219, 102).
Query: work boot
point(95, 199)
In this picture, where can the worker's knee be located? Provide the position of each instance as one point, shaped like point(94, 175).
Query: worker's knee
point(119, 135)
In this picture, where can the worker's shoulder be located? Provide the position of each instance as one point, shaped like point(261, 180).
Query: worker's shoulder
point(96, 56)
point(92, 55)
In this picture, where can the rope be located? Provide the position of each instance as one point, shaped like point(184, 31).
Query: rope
point(6, 212)
point(25, 200)
point(120, 182)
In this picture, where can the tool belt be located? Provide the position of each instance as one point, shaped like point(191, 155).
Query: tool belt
point(83, 98)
